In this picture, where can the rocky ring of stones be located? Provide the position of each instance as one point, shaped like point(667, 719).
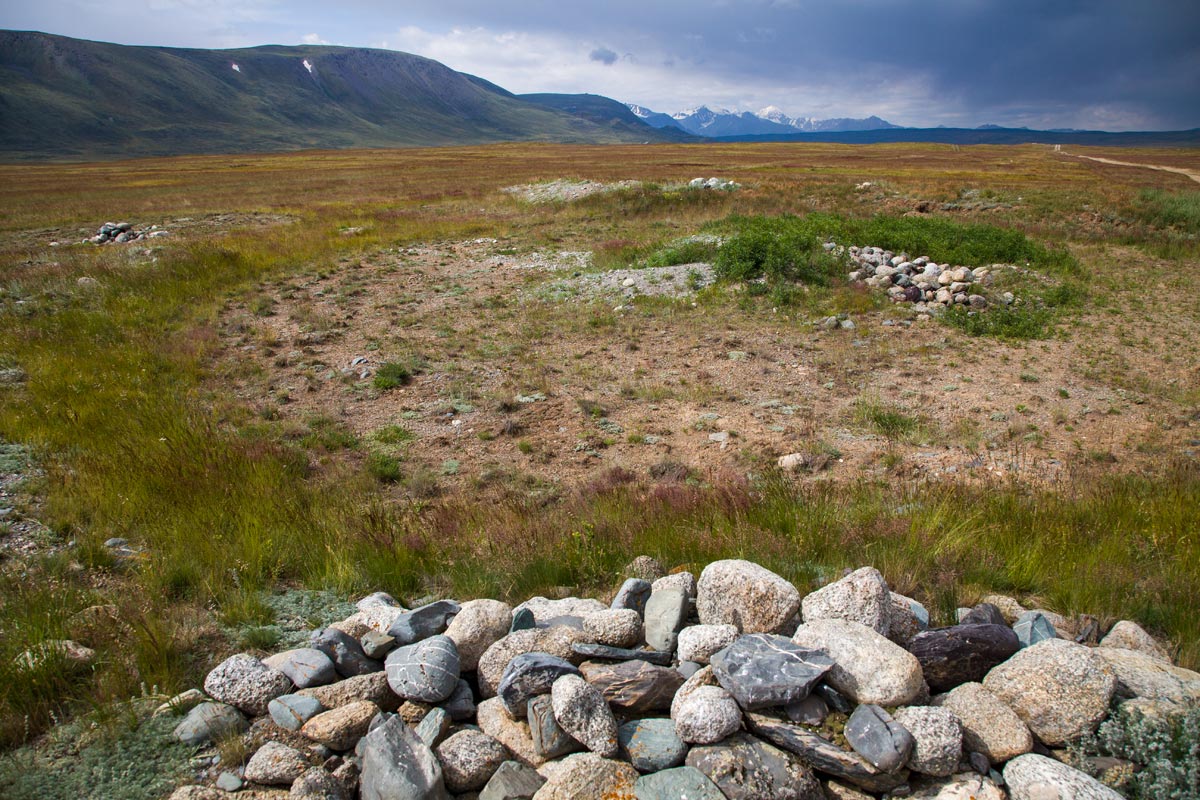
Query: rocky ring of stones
point(732, 684)
point(930, 286)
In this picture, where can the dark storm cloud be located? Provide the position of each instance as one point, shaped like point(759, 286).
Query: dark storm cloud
point(1044, 63)
point(603, 55)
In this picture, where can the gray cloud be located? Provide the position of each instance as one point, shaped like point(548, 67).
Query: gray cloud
point(1070, 63)
point(603, 55)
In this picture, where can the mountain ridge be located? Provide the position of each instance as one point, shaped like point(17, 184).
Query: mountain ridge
point(769, 121)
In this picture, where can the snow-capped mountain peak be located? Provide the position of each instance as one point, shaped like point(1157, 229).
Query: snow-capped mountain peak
point(774, 114)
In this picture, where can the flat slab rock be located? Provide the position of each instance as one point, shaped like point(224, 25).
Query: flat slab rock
point(763, 670)
point(634, 687)
point(746, 768)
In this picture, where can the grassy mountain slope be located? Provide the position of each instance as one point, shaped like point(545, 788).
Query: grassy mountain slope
point(608, 114)
point(65, 97)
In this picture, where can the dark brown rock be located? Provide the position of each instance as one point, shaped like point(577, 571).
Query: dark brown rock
point(961, 653)
point(634, 686)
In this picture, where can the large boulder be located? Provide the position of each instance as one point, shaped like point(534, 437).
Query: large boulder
point(746, 768)
point(529, 675)
point(397, 765)
point(742, 593)
point(477, 626)
point(469, 758)
point(703, 712)
point(962, 653)
point(1058, 688)
point(544, 609)
point(697, 643)
point(878, 738)
point(246, 683)
point(1140, 674)
point(1129, 635)
point(862, 597)
point(762, 670)
point(556, 641)
point(304, 666)
point(583, 713)
point(938, 736)
point(587, 776)
point(275, 764)
point(665, 613)
point(426, 671)
point(867, 667)
point(989, 726)
point(1034, 777)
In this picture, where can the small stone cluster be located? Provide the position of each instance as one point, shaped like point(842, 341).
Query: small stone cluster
point(929, 285)
point(123, 232)
point(733, 685)
point(717, 184)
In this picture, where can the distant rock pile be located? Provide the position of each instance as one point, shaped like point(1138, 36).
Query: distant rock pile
point(717, 184)
point(733, 685)
point(123, 232)
point(930, 286)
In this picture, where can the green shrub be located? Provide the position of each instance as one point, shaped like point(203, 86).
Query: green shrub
point(385, 468)
point(774, 251)
point(1170, 209)
point(392, 374)
point(685, 251)
point(1165, 750)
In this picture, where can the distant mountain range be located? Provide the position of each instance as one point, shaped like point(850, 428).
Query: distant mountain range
point(770, 121)
point(63, 98)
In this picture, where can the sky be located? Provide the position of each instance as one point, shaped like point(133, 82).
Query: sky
point(1094, 64)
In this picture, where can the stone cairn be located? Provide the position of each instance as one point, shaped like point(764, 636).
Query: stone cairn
point(931, 287)
point(731, 686)
point(123, 232)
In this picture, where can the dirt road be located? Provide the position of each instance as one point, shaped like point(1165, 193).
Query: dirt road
point(1189, 173)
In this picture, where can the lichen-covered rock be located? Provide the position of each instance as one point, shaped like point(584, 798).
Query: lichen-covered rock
point(275, 764)
point(1131, 636)
point(512, 733)
point(703, 712)
point(556, 641)
point(246, 683)
point(341, 728)
point(588, 776)
point(372, 686)
point(426, 671)
point(1034, 777)
point(469, 758)
point(651, 745)
point(698, 642)
point(1140, 674)
point(938, 736)
point(862, 596)
point(646, 568)
point(620, 627)
point(583, 713)
point(746, 768)
point(964, 786)
point(680, 783)
point(989, 726)
point(867, 667)
point(318, 783)
point(1058, 688)
point(476, 627)
point(747, 595)
point(683, 581)
point(396, 765)
point(545, 609)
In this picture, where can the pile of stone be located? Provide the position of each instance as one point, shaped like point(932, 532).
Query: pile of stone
point(730, 686)
point(716, 184)
point(921, 281)
point(122, 232)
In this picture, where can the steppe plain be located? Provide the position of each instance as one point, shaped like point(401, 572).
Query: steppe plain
point(218, 396)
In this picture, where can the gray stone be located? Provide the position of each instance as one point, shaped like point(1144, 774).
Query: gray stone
point(938, 736)
point(742, 593)
point(377, 645)
point(681, 783)
point(246, 683)
point(583, 713)
point(862, 597)
point(208, 722)
point(341, 728)
point(1058, 688)
point(476, 627)
point(867, 667)
point(746, 768)
point(703, 712)
point(989, 726)
point(397, 765)
point(426, 671)
point(699, 642)
point(373, 686)
point(345, 651)
point(878, 738)
point(962, 653)
point(229, 782)
point(549, 739)
point(291, 711)
point(378, 600)
point(825, 755)
point(469, 758)
point(433, 728)
point(522, 620)
point(683, 581)
point(421, 623)
point(275, 764)
point(1034, 777)
point(983, 614)
point(305, 667)
point(545, 609)
point(812, 710)
point(588, 776)
point(906, 618)
point(762, 670)
point(512, 781)
point(318, 783)
point(689, 668)
point(1033, 627)
point(664, 616)
point(645, 567)
point(1008, 606)
point(556, 641)
point(461, 705)
point(634, 687)
point(1131, 636)
point(619, 627)
point(529, 675)
point(589, 650)
point(651, 745)
point(512, 733)
point(633, 594)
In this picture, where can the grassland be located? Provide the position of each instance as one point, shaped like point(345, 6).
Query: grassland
point(148, 402)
